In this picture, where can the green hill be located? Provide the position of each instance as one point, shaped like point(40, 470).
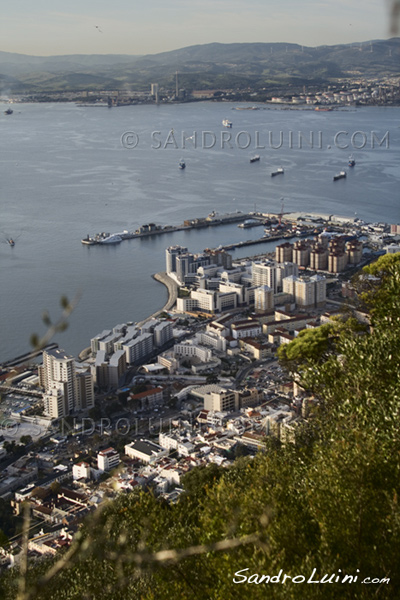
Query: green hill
point(254, 63)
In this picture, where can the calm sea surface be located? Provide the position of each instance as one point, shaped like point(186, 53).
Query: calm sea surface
point(65, 173)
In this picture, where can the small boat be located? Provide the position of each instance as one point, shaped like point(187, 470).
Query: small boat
point(255, 158)
point(340, 175)
point(227, 123)
point(351, 162)
point(11, 242)
point(279, 171)
point(182, 164)
point(9, 111)
point(89, 241)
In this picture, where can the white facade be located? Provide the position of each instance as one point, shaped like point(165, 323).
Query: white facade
point(55, 402)
point(59, 378)
point(193, 350)
point(211, 339)
point(139, 347)
point(263, 299)
point(145, 451)
point(162, 333)
point(242, 329)
point(81, 471)
point(304, 292)
point(107, 459)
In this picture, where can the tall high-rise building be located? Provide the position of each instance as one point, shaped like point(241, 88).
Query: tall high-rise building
point(284, 252)
point(170, 255)
point(65, 389)
point(285, 269)
point(58, 372)
point(154, 91)
point(264, 274)
point(354, 250)
point(263, 299)
point(301, 253)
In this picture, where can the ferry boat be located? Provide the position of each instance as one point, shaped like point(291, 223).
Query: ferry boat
point(227, 123)
point(351, 162)
point(340, 175)
point(279, 171)
point(114, 238)
point(105, 238)
point(255, 158)
point(250, 223)
point(182, 164)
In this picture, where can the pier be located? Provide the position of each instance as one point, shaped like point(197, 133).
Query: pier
point(22, 358)
point(212, 220)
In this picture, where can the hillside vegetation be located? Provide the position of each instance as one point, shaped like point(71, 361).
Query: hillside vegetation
point(202, 66)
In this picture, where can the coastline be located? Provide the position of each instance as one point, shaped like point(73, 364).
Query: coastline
point(172, 288)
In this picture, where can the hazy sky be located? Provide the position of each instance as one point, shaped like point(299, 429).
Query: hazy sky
point(44, 27)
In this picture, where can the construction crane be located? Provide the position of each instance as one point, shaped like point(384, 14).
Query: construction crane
point(280, 215)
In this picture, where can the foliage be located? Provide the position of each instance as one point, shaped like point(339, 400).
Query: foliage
point(25, 439)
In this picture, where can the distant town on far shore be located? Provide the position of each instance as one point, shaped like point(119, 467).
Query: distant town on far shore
point(280, 73)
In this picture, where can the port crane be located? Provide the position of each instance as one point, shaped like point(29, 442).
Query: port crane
point(280, 215)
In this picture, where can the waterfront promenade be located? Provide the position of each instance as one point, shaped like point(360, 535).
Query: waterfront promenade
point(172, 288)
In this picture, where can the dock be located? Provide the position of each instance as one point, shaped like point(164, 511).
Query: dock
point(151, 229)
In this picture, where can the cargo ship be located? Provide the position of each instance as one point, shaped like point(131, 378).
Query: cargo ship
point(279, 171)
point(340, 175)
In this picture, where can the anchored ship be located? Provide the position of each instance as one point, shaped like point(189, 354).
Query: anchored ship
point(340, 175)
point(255, 158)
point(279, 171)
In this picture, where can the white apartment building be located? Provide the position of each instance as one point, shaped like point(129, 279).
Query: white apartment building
point(55, 402)
point(145, 451)
point(306, 292)
point(248, 328)
point(107, 459)
point(264, 274)
point(263, 299)
point(138, 348)
point(320, 289)
point(81, 471)
point(193, 350)
point(162, 333)
point(65, 390)
point(222, 401)
point(85, 390)
point(95, 341)
point(170, 256)
point(211, 339)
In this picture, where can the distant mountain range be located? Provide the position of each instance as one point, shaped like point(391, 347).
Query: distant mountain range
point(205, 66)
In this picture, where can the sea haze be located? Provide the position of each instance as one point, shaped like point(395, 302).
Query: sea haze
point(65, 173)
